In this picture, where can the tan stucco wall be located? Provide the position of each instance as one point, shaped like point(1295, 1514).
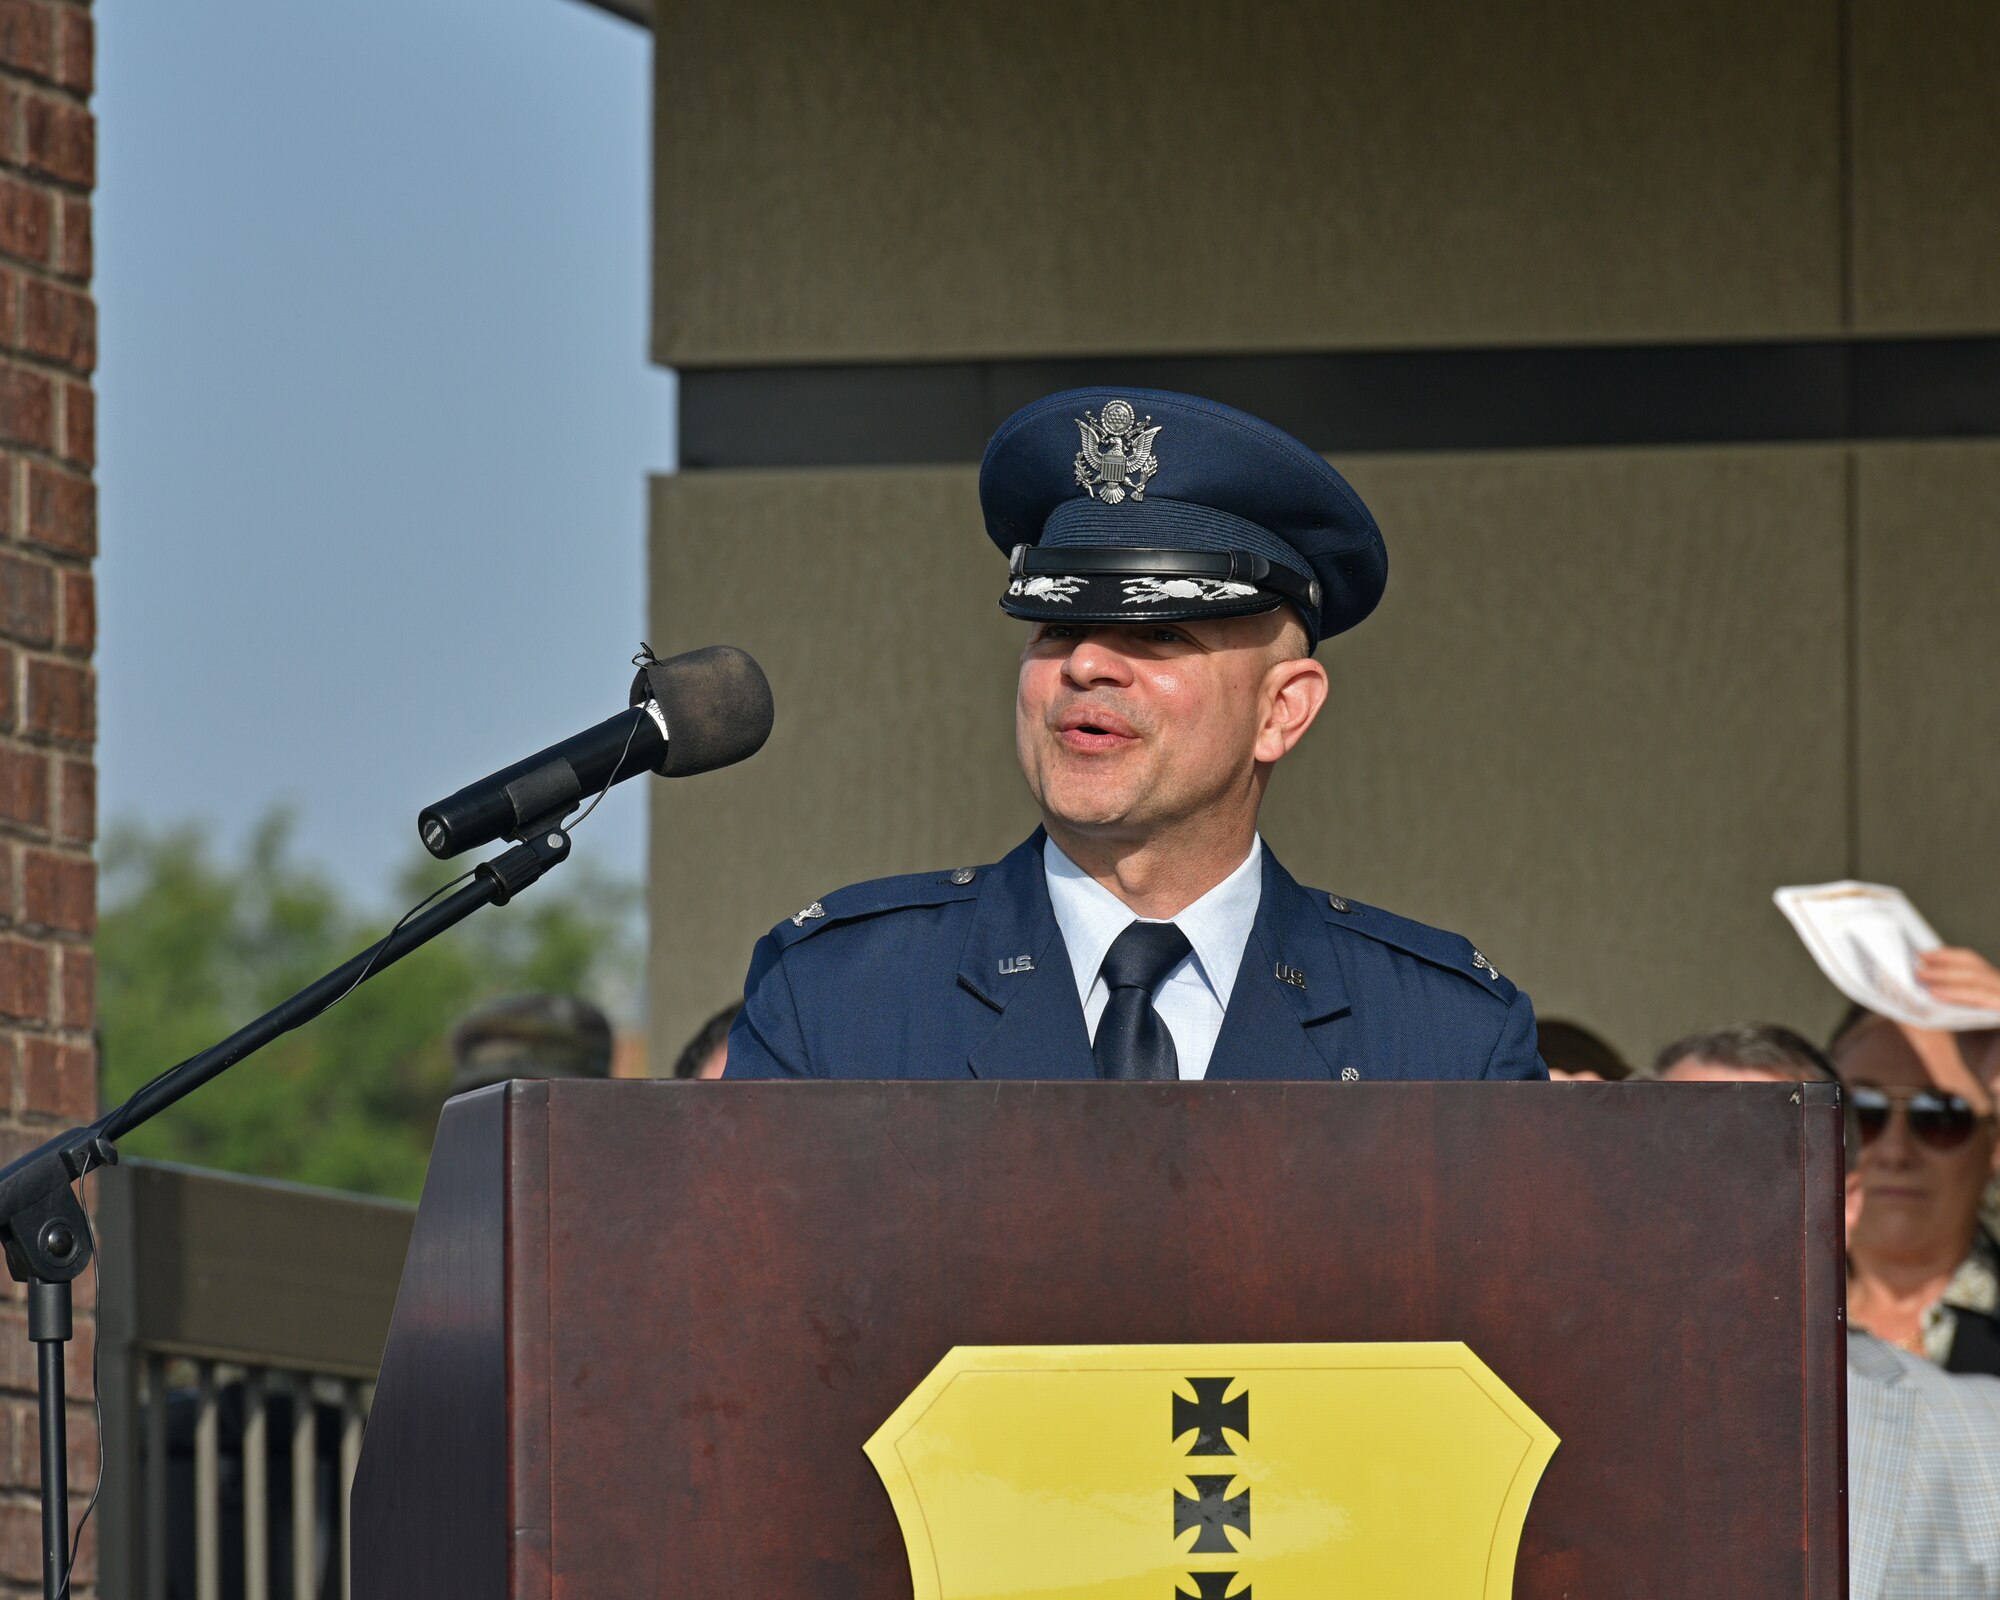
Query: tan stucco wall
point(1927, 669)
point(893, 178)
point(1925, 136)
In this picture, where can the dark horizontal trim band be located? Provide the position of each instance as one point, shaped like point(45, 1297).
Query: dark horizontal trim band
point(1556, 397)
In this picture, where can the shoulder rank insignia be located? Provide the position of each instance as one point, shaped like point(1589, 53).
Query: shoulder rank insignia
point(801, 918)
point(1117, 456)
point(1485, 966)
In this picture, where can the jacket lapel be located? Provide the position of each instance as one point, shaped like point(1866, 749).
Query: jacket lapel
point(1015, 961)
point(1289, 980)
point(1881, 1420)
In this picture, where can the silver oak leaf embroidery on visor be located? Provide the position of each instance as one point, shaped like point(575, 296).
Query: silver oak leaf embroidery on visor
point(1157, 591)
point(1117, 456)
point(1045, 588)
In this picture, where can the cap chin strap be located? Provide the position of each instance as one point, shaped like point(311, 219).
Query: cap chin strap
point(1233, 566)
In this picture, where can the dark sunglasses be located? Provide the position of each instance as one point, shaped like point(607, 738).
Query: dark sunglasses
point(1941, 1121)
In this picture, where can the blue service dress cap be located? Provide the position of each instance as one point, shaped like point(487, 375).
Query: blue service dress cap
point(1128, 505)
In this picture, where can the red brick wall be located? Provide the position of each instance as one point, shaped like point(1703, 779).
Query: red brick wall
point(48, 695)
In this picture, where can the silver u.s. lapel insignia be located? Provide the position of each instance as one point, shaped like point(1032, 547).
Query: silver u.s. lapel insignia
point(1485, 966)
point(1117, 456)
point(1350, 1074)
point(801, 918)
point(1291, 975)
point(1010, 965)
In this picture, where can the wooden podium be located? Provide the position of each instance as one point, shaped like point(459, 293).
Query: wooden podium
point(645, 1328)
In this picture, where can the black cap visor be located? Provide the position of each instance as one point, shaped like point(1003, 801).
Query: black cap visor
point(1079, 583)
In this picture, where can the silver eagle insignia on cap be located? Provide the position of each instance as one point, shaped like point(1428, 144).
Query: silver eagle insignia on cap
point(1117, 456)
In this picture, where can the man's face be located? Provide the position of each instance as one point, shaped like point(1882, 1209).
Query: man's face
point(1920, 1198)
point(1123, 728)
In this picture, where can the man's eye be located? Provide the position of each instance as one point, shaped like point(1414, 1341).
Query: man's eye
point(1166, 636)
point(1060, 630)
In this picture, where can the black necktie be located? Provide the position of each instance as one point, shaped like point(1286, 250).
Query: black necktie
point(1132, 1041)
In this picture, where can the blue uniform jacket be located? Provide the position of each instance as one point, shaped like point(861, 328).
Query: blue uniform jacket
point(956, 975)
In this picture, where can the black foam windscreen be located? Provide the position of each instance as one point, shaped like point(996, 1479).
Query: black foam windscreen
point(717, 703)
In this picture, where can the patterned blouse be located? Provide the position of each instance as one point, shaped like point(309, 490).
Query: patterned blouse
point(1974, 1287)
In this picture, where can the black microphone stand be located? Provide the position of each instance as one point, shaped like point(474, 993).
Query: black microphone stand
point(43, 1226)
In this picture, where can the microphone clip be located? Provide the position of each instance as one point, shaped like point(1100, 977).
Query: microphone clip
point(542, 797)
point(513, 870)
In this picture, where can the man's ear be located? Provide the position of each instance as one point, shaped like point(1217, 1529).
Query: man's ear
point(1853, 1202)
point(1294, 692)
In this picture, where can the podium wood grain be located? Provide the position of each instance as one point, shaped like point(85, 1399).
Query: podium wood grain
point(645, 1327)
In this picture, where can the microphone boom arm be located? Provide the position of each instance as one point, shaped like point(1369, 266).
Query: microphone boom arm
point(43, 1226)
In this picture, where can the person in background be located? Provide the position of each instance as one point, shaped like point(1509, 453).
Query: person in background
point(529, 1036)
point(1923, 1448)
point(1573, 1054)
point(707, 1053)
point(1960, 977)
point(1745, 1052)
point(1923, 1274)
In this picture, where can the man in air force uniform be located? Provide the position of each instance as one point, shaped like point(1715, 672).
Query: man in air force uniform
point(1178, 563)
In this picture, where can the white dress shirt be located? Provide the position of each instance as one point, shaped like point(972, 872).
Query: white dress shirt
point(1194, 996)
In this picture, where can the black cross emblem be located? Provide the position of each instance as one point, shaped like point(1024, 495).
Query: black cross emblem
point(1214, 1513)
point(1208, 1414)
point(1212, 1586)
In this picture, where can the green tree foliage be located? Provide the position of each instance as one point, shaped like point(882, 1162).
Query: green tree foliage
point(192, 944)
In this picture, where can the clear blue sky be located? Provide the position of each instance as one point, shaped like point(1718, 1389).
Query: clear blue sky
point(375, 417)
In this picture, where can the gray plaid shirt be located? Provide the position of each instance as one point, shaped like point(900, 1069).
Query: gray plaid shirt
point(1923, 1478)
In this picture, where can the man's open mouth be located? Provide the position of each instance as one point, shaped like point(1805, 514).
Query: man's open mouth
point(1094, 730)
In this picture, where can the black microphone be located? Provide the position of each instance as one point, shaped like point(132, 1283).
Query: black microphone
point(691, 713)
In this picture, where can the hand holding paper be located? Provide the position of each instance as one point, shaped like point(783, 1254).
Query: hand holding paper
point(1960, 978)
point(1877, 949)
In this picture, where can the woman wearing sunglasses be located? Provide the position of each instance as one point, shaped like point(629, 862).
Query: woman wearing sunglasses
point(1923, 1273)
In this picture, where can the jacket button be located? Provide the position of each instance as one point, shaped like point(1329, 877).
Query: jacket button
point(963, 875)
point(1340, 905)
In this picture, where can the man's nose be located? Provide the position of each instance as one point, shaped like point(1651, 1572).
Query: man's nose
point(1894, 1146)
point(1095, 660)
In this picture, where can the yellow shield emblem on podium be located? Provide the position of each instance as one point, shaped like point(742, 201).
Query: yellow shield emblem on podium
point(1211, 1471)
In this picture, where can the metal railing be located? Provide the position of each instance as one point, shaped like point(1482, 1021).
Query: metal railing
point(240, 1326)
